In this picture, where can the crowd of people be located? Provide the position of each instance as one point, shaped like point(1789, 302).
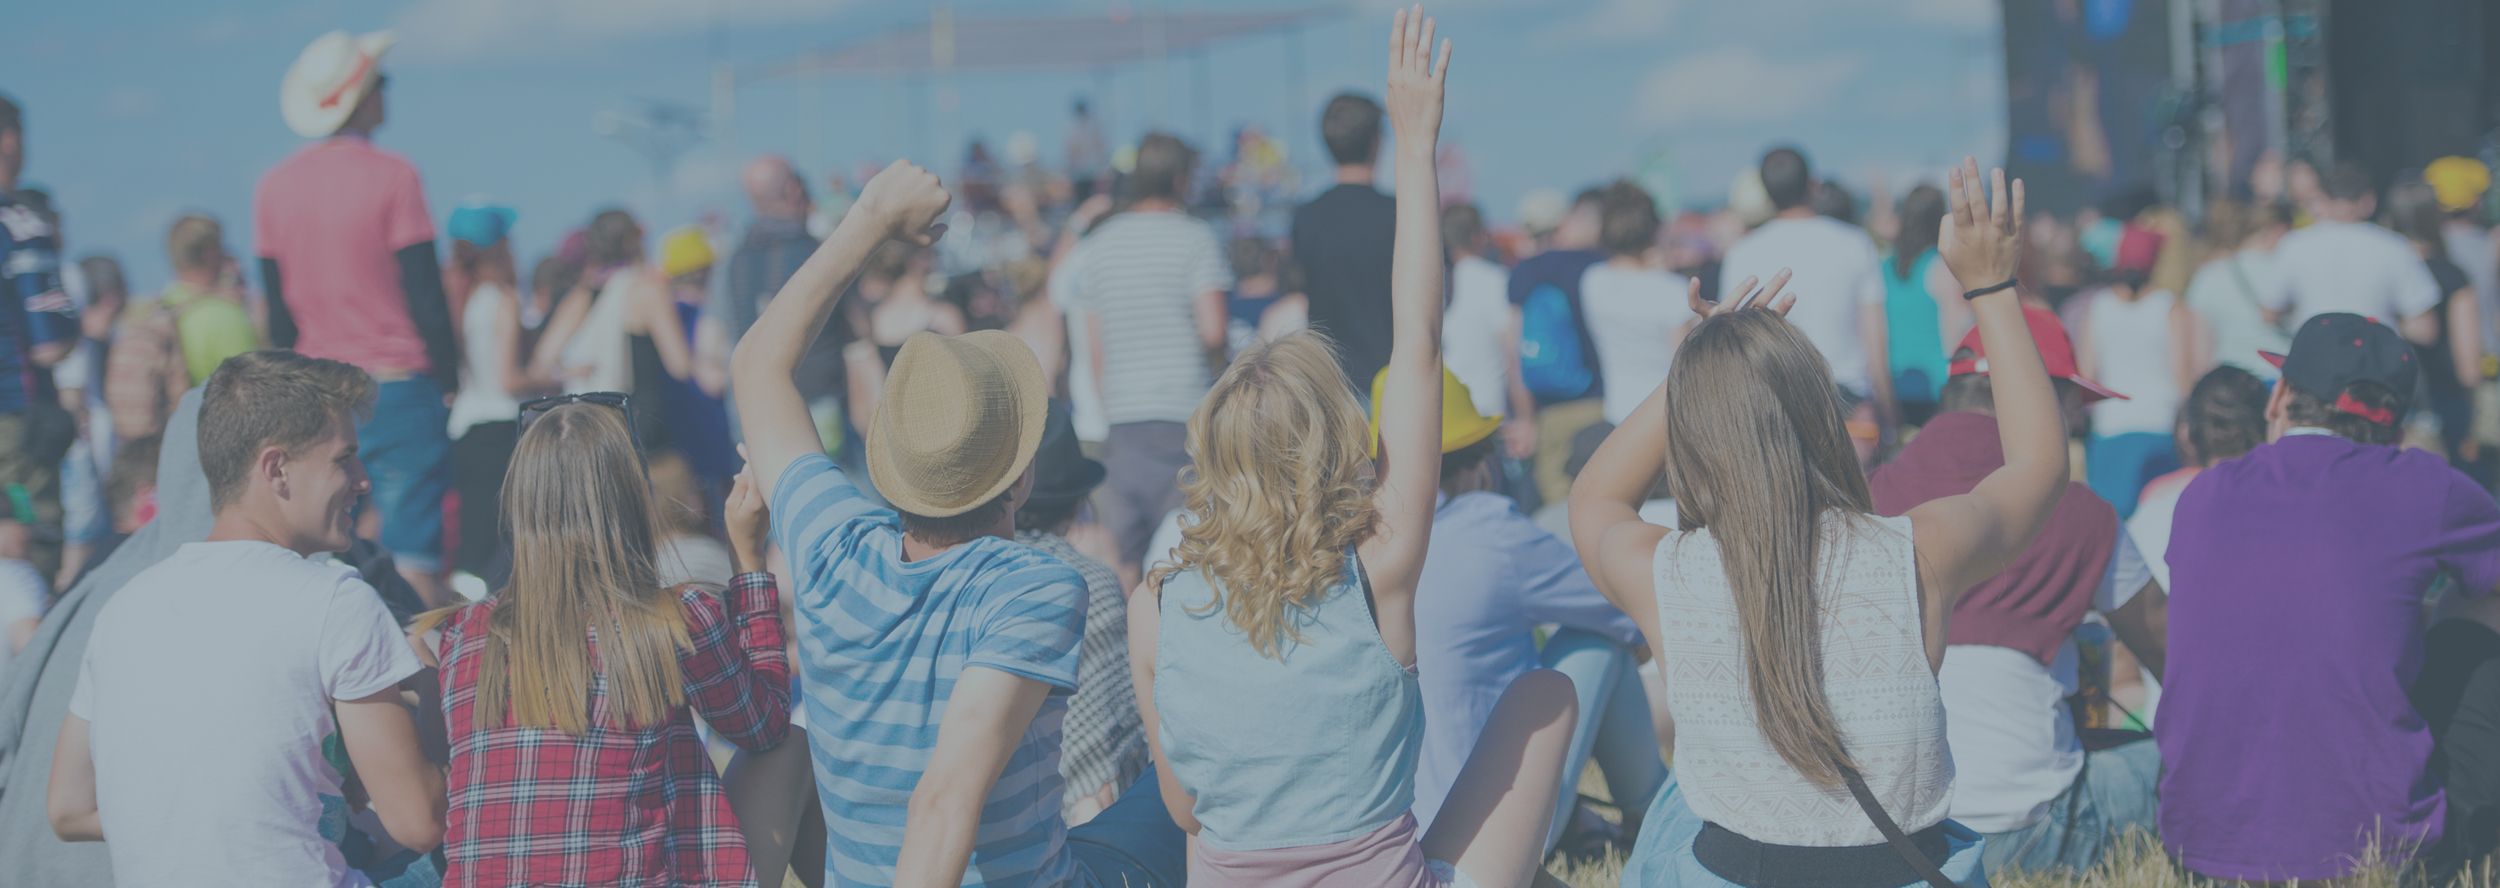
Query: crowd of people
point(1119, 526)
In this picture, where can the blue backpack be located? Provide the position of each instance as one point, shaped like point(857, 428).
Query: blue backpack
point(1551, 359)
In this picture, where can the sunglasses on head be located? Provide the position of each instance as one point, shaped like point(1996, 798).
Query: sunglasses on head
point(534, 408)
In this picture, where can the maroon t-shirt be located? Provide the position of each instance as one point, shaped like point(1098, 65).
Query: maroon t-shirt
point(2035, 602)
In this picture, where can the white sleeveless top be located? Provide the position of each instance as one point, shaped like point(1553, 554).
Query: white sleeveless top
point(1875, 674)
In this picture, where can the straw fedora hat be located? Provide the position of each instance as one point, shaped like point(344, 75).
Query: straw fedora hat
point(959, 422)
point(330, 79)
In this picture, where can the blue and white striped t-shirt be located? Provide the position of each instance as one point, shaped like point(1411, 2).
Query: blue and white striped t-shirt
point(881, 643)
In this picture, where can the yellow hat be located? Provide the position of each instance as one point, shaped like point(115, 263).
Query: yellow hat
point(2459, 181)
point(1461, 425)
point(685, 250)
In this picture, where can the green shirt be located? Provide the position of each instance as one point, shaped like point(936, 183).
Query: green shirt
point(211, 327)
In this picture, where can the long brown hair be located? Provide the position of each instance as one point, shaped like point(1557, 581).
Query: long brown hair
point(1922, 210)
point(583, 565)
point(1280, 482)
point(1756, 453)
point(472, 265)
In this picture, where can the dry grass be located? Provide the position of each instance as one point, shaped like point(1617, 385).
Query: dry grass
point(2137, 863)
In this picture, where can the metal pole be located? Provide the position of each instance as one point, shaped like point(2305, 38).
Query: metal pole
point(918, 108)
point(1205, 100)
point(1298, 100)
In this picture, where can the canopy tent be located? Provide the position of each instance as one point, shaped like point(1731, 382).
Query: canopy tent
point(948, 42)
point(909, 56)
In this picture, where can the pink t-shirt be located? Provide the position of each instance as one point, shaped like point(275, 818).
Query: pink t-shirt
point(333, 215)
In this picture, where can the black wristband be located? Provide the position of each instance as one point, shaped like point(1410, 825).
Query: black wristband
point(2006, 284)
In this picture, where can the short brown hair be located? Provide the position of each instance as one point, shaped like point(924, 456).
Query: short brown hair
point(1462, 226)
point(2305, 409)
point(2224, 416)
point(272, 398)
point(956, 530)
point(195, 241)
point(1627, 221)
point(1162, 160)
point(1350, 126)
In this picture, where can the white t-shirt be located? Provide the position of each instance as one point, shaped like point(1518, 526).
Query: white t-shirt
point(482, 398)
point(1633, 315)
point(2151, 523)
point(2228, 294)
point(208, 686)
point(694, 559)
point(1141, 274)
point(1837, 275)
point(2132, 354)
point(1472, 332)
point(598, 345)
point(2355, 267)
point(2013, 739)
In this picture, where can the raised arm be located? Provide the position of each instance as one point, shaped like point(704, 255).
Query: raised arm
point(738, 670)
point(1964, 539)
point(1410, 407)
point(904, 201)
point(1605, 504)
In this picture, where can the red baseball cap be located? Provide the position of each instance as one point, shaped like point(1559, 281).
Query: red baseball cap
point(2057, 352)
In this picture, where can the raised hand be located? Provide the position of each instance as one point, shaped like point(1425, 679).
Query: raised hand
point(1981, 237)
point(1414, 97)
point(1767, 298)
point(905, 201)
point(749, 525)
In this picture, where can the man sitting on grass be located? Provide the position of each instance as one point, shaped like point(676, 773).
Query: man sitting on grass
point(281, 674)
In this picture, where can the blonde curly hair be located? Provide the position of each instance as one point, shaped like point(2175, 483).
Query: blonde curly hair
point(1280, 484)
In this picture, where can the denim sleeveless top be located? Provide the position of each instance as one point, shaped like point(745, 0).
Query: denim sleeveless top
point(1313, 746)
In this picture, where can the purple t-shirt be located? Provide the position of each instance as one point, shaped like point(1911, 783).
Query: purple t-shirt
point(2297, 577)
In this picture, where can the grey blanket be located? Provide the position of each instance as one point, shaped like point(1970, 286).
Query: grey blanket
point(36, 696)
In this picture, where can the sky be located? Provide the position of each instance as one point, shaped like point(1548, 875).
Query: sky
point(138, 110)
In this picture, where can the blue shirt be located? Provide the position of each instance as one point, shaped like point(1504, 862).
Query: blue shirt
point(1490, 578)
point(881, 644)
point(1562, 270)
point(34, 310)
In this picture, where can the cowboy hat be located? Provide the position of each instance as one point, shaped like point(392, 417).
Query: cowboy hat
point(959, 422)
point(330, 79)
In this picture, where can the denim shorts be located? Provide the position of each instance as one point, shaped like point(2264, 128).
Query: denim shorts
point(406, 449)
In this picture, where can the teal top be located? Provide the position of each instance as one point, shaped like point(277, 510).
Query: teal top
point(1314, 746)
point(1915, 335)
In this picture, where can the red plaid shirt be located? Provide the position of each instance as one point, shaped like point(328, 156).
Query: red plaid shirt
point(538, 806)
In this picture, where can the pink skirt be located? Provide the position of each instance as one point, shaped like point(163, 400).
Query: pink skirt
point(1389, 857)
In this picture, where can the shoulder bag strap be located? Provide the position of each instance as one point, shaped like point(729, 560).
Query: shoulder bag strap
point(2248, 288)
point(1908, 850)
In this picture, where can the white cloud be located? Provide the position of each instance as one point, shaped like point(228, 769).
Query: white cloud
point(1609, 21)
point(1436, 8)
point(1740, 85)
point(1960, 14)
point(464, 28)
point(131, 102)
